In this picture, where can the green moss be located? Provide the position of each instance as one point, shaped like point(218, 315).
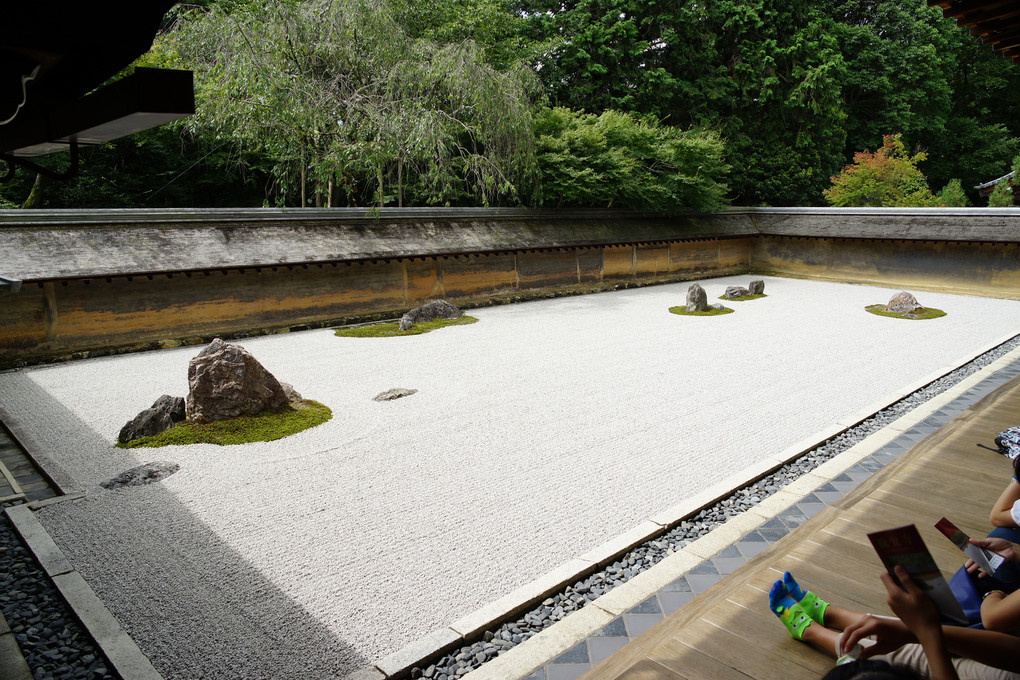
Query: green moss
point(263, 427)
point(922, 313)
point(742, 298)
point(392, 329)
point(682, 311)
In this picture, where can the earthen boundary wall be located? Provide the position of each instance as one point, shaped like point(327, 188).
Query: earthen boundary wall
point(97, 282)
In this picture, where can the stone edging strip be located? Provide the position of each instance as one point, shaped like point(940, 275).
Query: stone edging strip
point(561, 636)
point(117, 646)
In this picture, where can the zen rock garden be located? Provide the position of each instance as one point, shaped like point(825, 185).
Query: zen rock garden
point(697, 299)
point(428, 317)
point(430, 311)
point(904, 305)
point(225, 382)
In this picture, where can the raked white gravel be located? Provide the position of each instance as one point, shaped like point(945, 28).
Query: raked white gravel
point(537, 434)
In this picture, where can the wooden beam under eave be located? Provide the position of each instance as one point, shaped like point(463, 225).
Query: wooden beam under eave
point(991, 28)
point(999, 37)
point(975, 6)
point(1006, 46)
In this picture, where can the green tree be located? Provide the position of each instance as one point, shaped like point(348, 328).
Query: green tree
point(764, 73)
point(952, 195)
point(349, 106)
point(618, 160)
point(910, 69)
point(1001, 196)
point(886, 177)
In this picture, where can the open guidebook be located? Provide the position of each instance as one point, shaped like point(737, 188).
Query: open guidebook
point(905, 547)
point(986, 560)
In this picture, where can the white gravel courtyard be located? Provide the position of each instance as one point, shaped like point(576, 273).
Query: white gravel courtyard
point(537, 434)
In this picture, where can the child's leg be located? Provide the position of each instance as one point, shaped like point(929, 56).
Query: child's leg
point(818, 609)
point(798, 624)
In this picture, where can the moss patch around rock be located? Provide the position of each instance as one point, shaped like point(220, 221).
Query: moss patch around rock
point(754, 296)
point(263, 427)
point(918, 315)
point(682, 311)
point(392, 329)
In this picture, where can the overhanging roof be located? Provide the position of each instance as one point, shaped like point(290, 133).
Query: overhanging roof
point(54, 54)
point(996, 22)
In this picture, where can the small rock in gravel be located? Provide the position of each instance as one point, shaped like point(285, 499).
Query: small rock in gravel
point(143, 474)
point(395, 393)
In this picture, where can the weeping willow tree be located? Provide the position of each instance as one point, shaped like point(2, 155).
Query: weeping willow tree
point(351, 109)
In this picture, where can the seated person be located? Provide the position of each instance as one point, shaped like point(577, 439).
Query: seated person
point(913, 639)
point(1005, 517)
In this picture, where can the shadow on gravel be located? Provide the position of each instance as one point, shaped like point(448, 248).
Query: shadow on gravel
point(194, 605)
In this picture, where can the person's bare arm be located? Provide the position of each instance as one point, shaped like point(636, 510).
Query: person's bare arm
point(999, 650)
point(919, 615)
point(1001, 515)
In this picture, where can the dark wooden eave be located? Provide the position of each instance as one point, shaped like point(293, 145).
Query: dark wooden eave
point(996, 22)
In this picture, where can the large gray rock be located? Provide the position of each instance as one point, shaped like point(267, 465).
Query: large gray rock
point(143, 474)
point(736, 291)
point(697, 298)
point(757, 287)
point(430, 311)
point(164, 413)
point(226, 381)
point(902, 303)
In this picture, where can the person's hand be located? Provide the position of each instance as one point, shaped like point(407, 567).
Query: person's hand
point(971, 567)
point(915, 609)
point(889, 635)
point(1010, 551)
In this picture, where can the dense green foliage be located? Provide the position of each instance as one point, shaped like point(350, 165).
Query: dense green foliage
point(617, 159)
point(888, 177)
point(662, 104)
point(764, 73)
point(952, 195)
point(267, 426)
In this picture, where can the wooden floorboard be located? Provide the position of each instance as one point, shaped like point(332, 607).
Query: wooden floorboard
point(728, 632)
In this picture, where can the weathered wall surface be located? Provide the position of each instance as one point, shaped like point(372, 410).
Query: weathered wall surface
point(964, 250)
point(102, 281)
point(974, 268)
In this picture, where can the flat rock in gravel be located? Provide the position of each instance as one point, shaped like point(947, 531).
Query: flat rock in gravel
point(164, 413)
point(225, 381)
point(395, 393)
point(430, 311)
point(902, 303)
point(143, 474)
point(697, 298)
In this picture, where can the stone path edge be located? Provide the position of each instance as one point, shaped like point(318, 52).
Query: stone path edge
point(465, 630)
point(120, 650)
point(58, 477)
